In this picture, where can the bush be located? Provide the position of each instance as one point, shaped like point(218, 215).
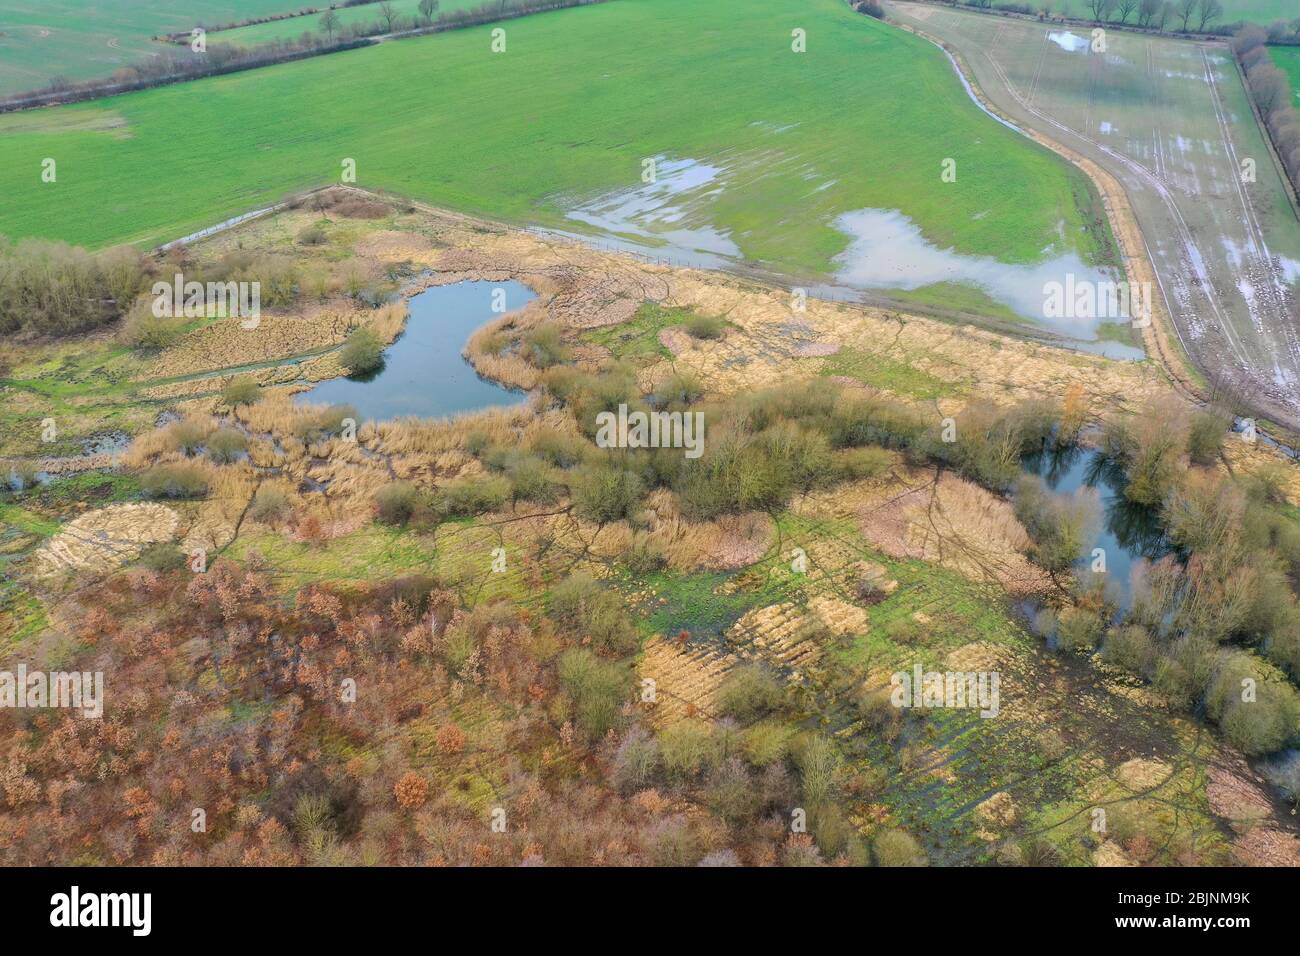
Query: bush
point(362, 352)
point(705, 327)
point(397, 502)
point(1060, 525)
point(226, 445)
point(1131, 648)
point(163, 557)
point(544, 346)
point(187, 436)
point(605, 492)
point(560, 449)
point(1205, 435)
point(467, 497)
point(689, 748)
point(241, 390)
point(270, 504)
point(636, 761)
point(750, 691)
point(532, 479)
point(182, 480)
point(1252, 703)
point(147, 332)
point(598, 689)
point(312, 236)
point(326, 423)
point(898, 848)
point(766, 742)
point(1078, 629)
point(584, 607)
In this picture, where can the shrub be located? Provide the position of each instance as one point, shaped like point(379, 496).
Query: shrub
point(598, 689)
point(147, 332)
point(322, 424)
point(898, 848)
point(226, 445)
point(163, 557)
point(187, 435)
point(544, 346)
point(312, 236)
point(241, 390)
point(270, 504)
point(766, 742)
point(51, 288)
point(605, 492)
point(689, 748)
point(183, 480)
point(749, 692)
point(397, 502)
point(1131, 648)
point(362, 352)
point(635, 761)
point(1205, 435)
point(1252, 703)
point(1078, 629)
point(705, 327)
point(561, 449)
point(580, 604)
point(467, 497)
point(1060, 525)
point(532, 479)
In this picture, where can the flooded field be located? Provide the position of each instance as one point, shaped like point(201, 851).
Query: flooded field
point(1170, 120)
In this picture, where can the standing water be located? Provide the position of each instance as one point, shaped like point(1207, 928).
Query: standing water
point(424, 373)
point(1128, 532)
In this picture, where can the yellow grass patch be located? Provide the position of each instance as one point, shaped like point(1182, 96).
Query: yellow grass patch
point(106, 538)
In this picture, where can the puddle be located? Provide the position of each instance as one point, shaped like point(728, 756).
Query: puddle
point(887, 251)
point(667, 221)
point(1128, 533)
point(665, 212)
point(1070, 42)
point(424, 373)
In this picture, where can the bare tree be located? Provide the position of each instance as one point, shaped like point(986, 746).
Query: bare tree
point(1183, 9)
point(1147, 11)
point(427, 9)
point(1099, 8)
point(1125, 9)
point(329, 22)
point(388, 13)
point(1210, 10)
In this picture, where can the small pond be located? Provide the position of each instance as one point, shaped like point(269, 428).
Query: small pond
point(424, 373)
point(1127, 532)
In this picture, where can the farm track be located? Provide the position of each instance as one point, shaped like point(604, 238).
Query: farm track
point(1244, 335)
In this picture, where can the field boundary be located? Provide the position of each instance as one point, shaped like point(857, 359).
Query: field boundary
point(1134, 253)
point(1210, 36)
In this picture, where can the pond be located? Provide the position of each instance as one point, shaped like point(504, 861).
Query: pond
point(1127, 532)
point(424, 373)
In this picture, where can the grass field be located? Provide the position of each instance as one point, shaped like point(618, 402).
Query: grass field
point(1170, 120)
point(294, 27)
point(44, 39)
point(1260, 11)
point(567, 115)
point(1288, 58)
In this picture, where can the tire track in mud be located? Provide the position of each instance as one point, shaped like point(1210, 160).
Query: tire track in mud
point(1184, 286)
point(1123, 224)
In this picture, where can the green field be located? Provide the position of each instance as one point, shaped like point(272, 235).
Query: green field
point(1288, 58)
point(294, 27)
point(44, 39)
point(863, 119)
point(1260, 11)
